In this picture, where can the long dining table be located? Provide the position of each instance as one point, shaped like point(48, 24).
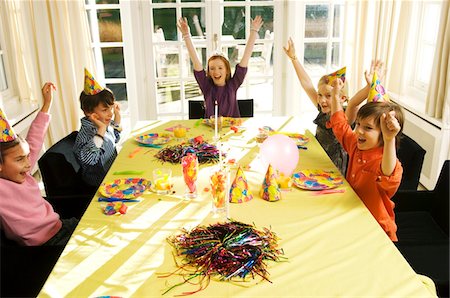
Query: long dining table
point(332, 244)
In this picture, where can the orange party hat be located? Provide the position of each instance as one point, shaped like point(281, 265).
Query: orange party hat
point(337, 74)
point(377, 92)
point(239, 192)
point(269, 189)
point(91, 86)
point(8, 133)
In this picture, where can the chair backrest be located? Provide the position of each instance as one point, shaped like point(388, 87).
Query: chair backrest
point(411, 155)
point(60, 169)
point(245, 107)
point(196, 109)
point(440, 208)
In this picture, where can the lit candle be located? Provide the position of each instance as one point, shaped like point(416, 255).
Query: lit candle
point(216, 111)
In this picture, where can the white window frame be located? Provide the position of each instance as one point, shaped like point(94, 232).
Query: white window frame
point(9, 96)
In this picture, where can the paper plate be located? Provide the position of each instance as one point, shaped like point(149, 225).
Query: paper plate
point(125, 188)
point(301, 139)
point(317, 179)
point(153, 139)
point(226, 121)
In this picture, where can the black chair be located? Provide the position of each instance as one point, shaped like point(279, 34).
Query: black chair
point(411, 155)
point(61, 172)
point(197, 109)
point(422, 219)
point(246, 107)
point(24, 269)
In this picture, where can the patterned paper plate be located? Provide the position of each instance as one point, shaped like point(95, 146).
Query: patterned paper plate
point(124, 188)
point(317, 179)
point(300, 139)
point(153, 139)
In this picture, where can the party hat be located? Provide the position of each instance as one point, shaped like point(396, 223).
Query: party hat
point(91, 86)
point(377, 92)
point(337, 74)
point(8, 133)
point(269, 189)
point(239, 192)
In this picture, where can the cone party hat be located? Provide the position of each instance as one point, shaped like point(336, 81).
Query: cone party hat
point(377, 92)
point(91, 86)
point(239, 192)
point(8, 133)
point(337, 74)
point(269, 189)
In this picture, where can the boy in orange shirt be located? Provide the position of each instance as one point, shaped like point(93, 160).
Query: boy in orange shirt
point(374, 171)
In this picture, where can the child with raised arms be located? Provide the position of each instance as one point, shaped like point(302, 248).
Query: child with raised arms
point(216, 83)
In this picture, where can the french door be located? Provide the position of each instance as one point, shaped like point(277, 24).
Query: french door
point(215, 26)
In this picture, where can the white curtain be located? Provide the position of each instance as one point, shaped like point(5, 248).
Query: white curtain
point(51, 43)
point(438, 96)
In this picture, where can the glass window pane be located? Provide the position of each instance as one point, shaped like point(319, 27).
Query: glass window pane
point(107, 1)
point(261, 91)
point(432, 15)
point(192, 91)
point(113, 62)
point(119, 90)
point(261, 62)
point(335, 54)
point(167, 61)
point(165, 18)
point(192, 0)
point(109, 25)
point(316, 21)
point(164, 1)
point(196, 20)
point(188, 68)
point(337, 21)
point(266, 12)
point(3, 82)
point(233, 0)
point(234, 22)
point(168, 97)
point(316, 58)
point(425, 63)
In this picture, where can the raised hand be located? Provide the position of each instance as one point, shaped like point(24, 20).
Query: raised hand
point(378, 67)
point(183, 26)
point(257, 22)
point(290, 49)
point(47, 95)
point(389, 126)
point(117, 116)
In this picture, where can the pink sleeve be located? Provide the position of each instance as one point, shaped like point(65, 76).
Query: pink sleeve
point(36, 134)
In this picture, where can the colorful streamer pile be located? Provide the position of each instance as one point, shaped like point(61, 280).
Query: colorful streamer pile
point(206, 153)
point(224, 250)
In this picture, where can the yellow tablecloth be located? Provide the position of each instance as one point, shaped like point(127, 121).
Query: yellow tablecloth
point(333, 244)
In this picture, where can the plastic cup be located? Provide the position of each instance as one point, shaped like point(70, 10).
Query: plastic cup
point(162, 180)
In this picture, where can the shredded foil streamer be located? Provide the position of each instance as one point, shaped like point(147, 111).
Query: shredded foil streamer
point(206, 153)
point(226, 251)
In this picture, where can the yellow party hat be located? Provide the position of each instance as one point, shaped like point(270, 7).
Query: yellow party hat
point(269, 189)
point(239, 192)
point(337, 74)
point(377, 92)
point(8, 133)
point(91, 86)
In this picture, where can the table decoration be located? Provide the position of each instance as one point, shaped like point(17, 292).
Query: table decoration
point(162, 180)
point(179, 132)
point(190, 172)
point(281, 152)
point(124, 188)
point(205, 152)
point(317, 179)
point(239, 192)
point(220, 187)
point(269, 189)
point(153, 138)
point(115, 207)
point(226, 251)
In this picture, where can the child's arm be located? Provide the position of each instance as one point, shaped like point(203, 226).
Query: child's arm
point(48, 96)
point(335, 96)
point(256, 25)
point(184, 28)
point(302, 75)
point(389, 128)
point(356, 101)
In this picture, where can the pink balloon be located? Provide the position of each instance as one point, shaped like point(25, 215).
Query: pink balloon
point(281, 152)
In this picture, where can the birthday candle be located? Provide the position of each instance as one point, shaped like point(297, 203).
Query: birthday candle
point(216, 107)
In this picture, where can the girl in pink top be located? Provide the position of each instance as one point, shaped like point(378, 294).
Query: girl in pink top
point(374, 171)
point(25, 216)
point(216, 82)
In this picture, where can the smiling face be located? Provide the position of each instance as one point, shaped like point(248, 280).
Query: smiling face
point(324, 97)
point(104, 113)
point(219, 70)
point(16, 163)
point(368, 133)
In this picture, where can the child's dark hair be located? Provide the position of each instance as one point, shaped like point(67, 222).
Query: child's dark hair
point(89, 102)
point(225, 61)
point(8, 145)
point(377, 109)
